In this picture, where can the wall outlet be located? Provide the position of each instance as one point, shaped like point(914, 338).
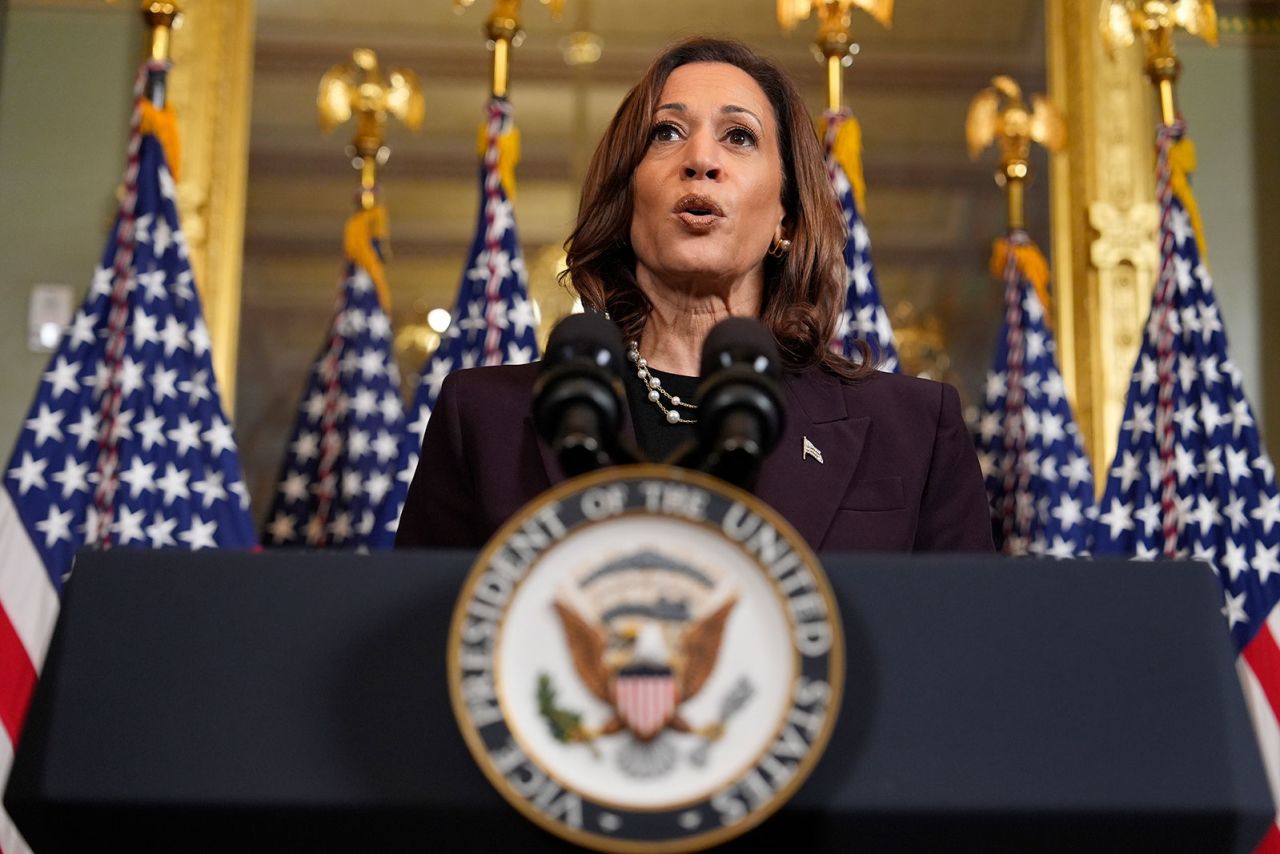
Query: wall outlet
point(49, 313)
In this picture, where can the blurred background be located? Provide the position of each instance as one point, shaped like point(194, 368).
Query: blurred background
point(932, 213)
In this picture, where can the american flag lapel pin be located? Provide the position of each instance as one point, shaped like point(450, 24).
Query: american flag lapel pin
point(811, 450)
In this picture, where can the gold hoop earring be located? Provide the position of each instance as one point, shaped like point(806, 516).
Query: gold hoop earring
point(779, 247)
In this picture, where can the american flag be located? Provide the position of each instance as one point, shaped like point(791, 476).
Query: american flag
point(494, 321)
point(1190, 476)
point(343, 450)
point(863, 316)
point(126, 443)
point(1038, 477)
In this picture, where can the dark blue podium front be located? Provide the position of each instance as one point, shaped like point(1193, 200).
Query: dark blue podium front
point(293, 700)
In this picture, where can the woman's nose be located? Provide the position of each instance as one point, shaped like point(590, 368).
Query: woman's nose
point(701, 158)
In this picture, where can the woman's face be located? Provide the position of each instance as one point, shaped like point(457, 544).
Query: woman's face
point(708, 193)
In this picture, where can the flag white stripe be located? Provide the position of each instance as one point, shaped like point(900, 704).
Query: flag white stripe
point(11, 841)
point(1265, 724)
point(25, 589)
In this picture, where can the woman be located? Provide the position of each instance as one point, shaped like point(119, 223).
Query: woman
point(708, 198)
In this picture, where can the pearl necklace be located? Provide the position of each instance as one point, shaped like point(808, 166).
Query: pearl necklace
point(657, 392)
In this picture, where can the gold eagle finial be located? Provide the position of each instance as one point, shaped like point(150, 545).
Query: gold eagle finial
point(1122, 21)
point(1001, 111)
point(835, 31)
point(830, 12)
point(361, 89)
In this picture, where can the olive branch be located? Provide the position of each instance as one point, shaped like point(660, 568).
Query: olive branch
point(565, 725)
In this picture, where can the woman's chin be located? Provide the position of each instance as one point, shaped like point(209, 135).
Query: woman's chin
point(698, 275)
point(697, 282)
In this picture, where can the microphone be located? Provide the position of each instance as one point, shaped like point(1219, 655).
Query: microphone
point(740, 409)
point(577, 398)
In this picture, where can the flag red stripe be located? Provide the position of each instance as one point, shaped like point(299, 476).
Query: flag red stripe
point(638, 706)
point(17, 678)
point(1263, 657)
point(644, 707)
point(1270, 843)
point(650, 697)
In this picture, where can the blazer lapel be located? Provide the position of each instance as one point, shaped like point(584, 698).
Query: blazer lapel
point(805, 491)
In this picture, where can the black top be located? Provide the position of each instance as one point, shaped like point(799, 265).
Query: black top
point(656, 436)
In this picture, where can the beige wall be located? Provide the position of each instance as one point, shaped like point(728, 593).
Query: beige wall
point(1228, 96)
point(64, 113)
point(1264, 71)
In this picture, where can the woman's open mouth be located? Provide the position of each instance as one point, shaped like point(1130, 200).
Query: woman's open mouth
point(698, 213)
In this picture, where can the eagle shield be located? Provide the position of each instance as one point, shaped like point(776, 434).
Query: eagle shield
point(644, 631)
point(646, 699)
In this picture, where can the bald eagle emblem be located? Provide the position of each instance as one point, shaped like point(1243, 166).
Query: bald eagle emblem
point(646, 658)
point(644, 632)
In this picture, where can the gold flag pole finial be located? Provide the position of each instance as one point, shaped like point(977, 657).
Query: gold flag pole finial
point(1157, 21)
point(834, 42)
point(502, 28)
point(1000, 111)
point(162, 19)
point(361, 89)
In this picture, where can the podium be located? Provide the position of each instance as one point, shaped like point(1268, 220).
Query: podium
point(298, 701)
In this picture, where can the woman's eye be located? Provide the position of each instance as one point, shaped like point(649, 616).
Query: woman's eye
point(664, 132)
point(741, 137)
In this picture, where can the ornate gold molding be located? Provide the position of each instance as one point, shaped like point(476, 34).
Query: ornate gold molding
point(1104, 218)
point(209, 87)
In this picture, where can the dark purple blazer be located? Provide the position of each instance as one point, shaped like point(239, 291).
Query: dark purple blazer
point(899, 470)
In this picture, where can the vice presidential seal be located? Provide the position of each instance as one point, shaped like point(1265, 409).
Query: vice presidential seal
point(646, 658)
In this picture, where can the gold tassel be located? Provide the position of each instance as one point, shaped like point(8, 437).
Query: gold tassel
point(847, 151)
point(508, 156)
point(163, 125)
point(1182, 162)
point(1031, 264)
point(363, 227)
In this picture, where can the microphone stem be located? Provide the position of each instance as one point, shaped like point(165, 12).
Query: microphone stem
point(738, 451)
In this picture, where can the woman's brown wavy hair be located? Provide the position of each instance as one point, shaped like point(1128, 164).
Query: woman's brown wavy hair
point(802, 290)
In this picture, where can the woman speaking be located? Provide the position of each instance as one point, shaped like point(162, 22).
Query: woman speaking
point(708, 198)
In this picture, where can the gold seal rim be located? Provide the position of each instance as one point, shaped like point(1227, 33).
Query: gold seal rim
point(600, 842)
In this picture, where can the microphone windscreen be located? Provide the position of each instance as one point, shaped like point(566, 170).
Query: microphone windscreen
point(741, 341)
point(577, 398)
point(586, 335)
